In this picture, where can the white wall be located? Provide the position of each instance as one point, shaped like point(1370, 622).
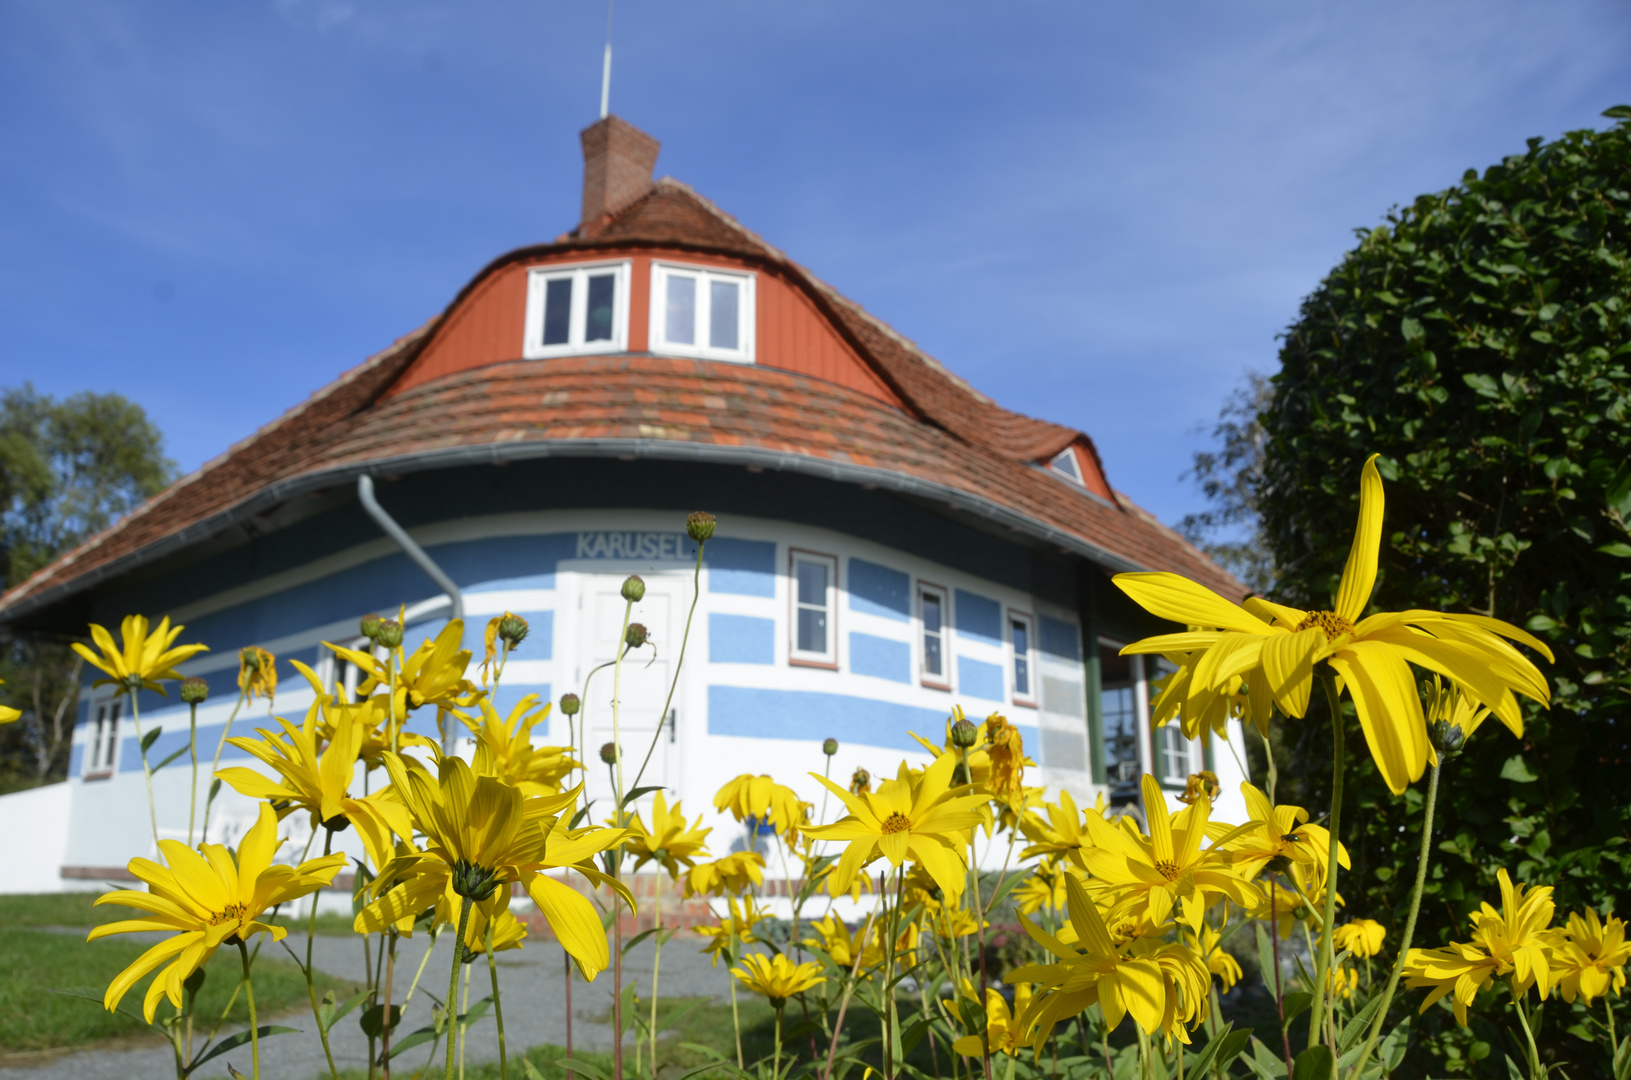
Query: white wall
point(33, 839)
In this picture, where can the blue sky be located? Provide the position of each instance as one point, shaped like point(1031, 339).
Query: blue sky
point(1098, 214)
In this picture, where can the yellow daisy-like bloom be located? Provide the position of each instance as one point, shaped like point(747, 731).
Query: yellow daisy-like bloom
point(735, 873)
point(145, 659)
point(504, 747)
point(904, 819)
point(1064, 833)
point(432, 675)
point(509, 932)
point(761, 798)
point(1167, 870)
point(1275, 832)
point(7, 713)
point(1282, 915)
point(666, 841)
point(1218, 962)
point(777, 977)
point(319, 783)
point(1361, 937)
point(257, 673)
point(1006, 750)
point(1044, 888)
point(1446, 704)
point(1163, 986)
point(482, 834)
point(1200, 785)
point(1201, 712)
point(1342, 982)
point(207, 899)
point(841, 944)
point(1514, 943)
point(1280, 646)
point(745, 915)
point(999, 1022)
point(1591, 961)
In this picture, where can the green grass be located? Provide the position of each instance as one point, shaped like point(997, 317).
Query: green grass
point(35, 962)
point(58, 909)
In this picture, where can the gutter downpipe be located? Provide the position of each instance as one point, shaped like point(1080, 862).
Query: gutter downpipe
point(388, 525)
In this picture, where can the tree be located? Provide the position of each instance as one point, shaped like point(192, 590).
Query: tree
point(68, 469)
point(1231, 478)
point(1478, 341)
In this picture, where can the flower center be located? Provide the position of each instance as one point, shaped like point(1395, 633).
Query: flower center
point(1168, 869)
point(896, 822)
point(233, 911)
point(1334, 625)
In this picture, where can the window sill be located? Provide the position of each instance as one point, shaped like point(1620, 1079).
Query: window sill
point(942, 687)
point(825, 665)
point(107, 775)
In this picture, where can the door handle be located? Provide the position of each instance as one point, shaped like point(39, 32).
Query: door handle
point(673, 715)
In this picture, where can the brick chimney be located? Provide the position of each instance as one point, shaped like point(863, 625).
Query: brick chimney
point(618, 159)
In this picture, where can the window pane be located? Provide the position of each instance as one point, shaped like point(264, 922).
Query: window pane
point(1022, 638)
point(931, 613)
point(812, 583)
point(1119, 714)
point(931, 654)
point(722, 314)
point(682, 310)
point(602, 294)
point(1022, 676)
point(812, 630)
point(558, 312)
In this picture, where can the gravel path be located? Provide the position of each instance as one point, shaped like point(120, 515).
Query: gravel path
point(532, 990)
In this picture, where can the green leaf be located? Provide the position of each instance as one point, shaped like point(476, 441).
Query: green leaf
point(1354, 1028)
point(372, 1020)
point(90, 993)
point(182, 749)
point(1618, 495)
point(1297, 1002)
point(417, 1037)
point(583, 1068)
point(265, 1031)
point(1315, 1063)
point(477, 1011)
point(914, 1035)
point(329, 1014)
point(637, 939)
point(1618, 549)
point(1483, 385)
point(1517, 770)
point(150, 738)
point(639, 791)
point(1411, 329)
point(1265, 962)
point(1199, 1063)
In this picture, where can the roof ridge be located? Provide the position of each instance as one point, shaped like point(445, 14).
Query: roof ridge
point(178, 486)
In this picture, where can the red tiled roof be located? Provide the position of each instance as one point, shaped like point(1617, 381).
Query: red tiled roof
point(954, 441)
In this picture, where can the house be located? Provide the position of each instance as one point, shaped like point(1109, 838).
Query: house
point(891, 542)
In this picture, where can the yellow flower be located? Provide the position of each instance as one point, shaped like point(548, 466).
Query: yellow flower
point(1063, 835)
point(1362, 937)
point(1371, 656)
point(1282, 914)
point(207, 900)
point(1275, 832)
point(1218, 962)
point(1342, 982)
point(841, 944)
point(1448, 705)
point(490, 640)
point(739, 925)
point(764, 800)
point(8, 714)
point(433, 675)
point(1163, 986)
point(905, 819)
point(999, 1023)
point(667, 841)
point(1167, 870)
point(319, 783)
point(1200, 785)
point(509, 932)
point(1513, 943)
point(1006, 750)
point(504, 748)
point(144, 661)
point(734, 873)
point(1202, 712)
point(480, 835)
point(776, 977)
point(1045, 888)
point(257, 673)
point(1592, 960)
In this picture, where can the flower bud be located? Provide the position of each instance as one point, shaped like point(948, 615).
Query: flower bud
point(634, 588)
point(476, 882)
point(570, 704)
point(964, 734)
point(249, 659)
point(636, 634)
point(1447, 737)
point(370, 626)
point(829, 747)
point(389, 634)
point(608, 753)
point(700, 526)
point(512, 629)
point(860, 782)
point(194, 690)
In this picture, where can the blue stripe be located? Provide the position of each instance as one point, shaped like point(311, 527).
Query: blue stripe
point(976, 678)
point(878, 590)
point(1061, 639)
point(741, 639)
point(979, 617)
point(883, 658)
point(813, 716)
point(742, 567)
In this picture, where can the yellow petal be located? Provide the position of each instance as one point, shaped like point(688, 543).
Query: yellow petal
point(1143, 992)
point(1359, 576)
point(1288, 664)
point(1385, 697)
point(574, 921)
point(1182, 601)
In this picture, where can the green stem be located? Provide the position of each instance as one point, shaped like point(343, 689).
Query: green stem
point(254, 1024)
point(215, 766)
point(696, 594)
point(147, 771)
point(1322, 968)
point(1380, 1018)
point(979, 924)
point(452, 998)
point(1531, 1051)
point(776, 1066)
point(498, 1009)
point(311, 987)
point(656, 961)
point(843, 1004)
point(617, 822)
point(192, 752)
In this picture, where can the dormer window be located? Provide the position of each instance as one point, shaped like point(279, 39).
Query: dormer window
point(702, 312)
point(572, 310)
point(1064, 464)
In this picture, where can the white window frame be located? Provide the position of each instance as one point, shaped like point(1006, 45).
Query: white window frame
point(102, 752)
point(1074, 473)
point(926, 678)
point(660, 273)
point(538, 278)
point(1172, 730)
point(1026, 619)
point(804, 657)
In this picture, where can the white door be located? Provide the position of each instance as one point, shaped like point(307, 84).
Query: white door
point(645, 678)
